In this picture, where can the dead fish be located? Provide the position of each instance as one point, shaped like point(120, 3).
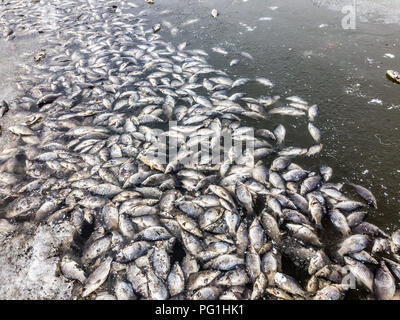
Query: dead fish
point(380, 245)
point(225, 262)
point(271, 226)
point(394, 267)
point(97, 248)
point(393, 75)
point(253, 263)
point(47, 99)
point(363, 257)
point(276, 180)
point(349, 205)
point(309, 184)
point(21, 130)
point(259, 287)
point(369, 229)
point(138, 280)
point(256, 235)
point(395, 244)
point(314, 132)
point(224, 52)
point(384, 283)
point(279, 133)
point(265, 82)
point(202, 279)
point(316, 210)
point(353, 244)
point(234, 62)
point(356, 218)
point(288, 284)
point(156, 286)
point(3, 108)
point(22, 207)
point(304, 233)
point(156, 233)
point(365, 194)
point(133, 251)
point(123, 290)
point(271, 263)
point(330, 292)
point(97, 278)
point(287, 111)
point(105, 189)
point(39, 56)
point(207, 293)
point(239, 82)
point(317, 262)
point(105, 296)
point(71, 270)
point(312, 113)
point(233, 278)
point(280, 163)
point(361, 272)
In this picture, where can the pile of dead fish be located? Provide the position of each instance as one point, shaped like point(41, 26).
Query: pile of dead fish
point(145, 229)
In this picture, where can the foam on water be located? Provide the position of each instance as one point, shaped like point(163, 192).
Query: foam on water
point(29, 263)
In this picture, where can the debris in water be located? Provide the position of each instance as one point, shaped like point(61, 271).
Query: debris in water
point(389, 55)
point(265, 19)
point(393, 75)
point(156, 27)
point(376, 101)
point(3, 108)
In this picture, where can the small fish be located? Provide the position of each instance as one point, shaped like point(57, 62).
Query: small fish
point(247, 55)
point(312, 113)
point(71, 270)
point(314, 132)
point(365, 194)
point(4, 107)
point(219, 50)
point(189, 22)
point(97, 278)
point(265, 82)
